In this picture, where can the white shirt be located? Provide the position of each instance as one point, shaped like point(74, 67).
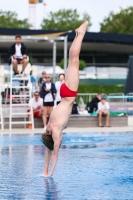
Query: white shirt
point(58, 85)
point(103, 107)
point(18, 50)
point(34, 104)
point(48, 97)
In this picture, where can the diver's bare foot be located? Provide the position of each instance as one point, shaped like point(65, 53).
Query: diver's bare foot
point(82, 28)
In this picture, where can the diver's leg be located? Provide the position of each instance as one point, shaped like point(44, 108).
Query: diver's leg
point(72, 72)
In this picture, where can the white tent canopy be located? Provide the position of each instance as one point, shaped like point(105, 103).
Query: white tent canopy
point(49, 70)
point(37, 70)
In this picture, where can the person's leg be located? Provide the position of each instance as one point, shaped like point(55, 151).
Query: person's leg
point(30, 119)
point(50, 109)
point(100, 118)
point(40, 114)
point(72, 72)
point(24, 63)
point(15, 65)
point(47, 161)
point(107, 118)
point(48, 114)
point(45, 112)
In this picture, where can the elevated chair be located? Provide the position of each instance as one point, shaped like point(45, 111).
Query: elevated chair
point(27, 69)
point(1, 90)
point(25, 87)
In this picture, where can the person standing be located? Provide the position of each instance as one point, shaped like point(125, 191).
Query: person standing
point(48, 92)
point(103, 110)
point(19, 53)
point(42, 80)
point(58, 85)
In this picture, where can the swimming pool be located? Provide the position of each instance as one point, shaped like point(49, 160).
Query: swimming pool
point(90, 166)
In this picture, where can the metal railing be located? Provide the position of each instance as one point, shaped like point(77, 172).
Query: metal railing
point(118, 101)
point(121, 103)
point(86, 97)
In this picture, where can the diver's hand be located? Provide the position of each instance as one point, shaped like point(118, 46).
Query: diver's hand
point(48, 175)
point(44, 174)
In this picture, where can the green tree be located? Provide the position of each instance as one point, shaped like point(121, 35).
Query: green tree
point(64, 20)
point(82, 64)
point(10, 20)
point(121, 22)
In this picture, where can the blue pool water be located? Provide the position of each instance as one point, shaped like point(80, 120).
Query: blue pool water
point(90, 167)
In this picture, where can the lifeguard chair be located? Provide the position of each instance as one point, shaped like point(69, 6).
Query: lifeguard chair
point(24, 84)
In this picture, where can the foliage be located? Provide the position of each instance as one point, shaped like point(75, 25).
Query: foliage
point(121, 22)
point(10, 20)
point(64, 20)
point(31, 60)
point(62, 63)
point(82, 64)
point(106, 89)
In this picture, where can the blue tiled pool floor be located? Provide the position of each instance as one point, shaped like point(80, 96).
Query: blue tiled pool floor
point(90, 167)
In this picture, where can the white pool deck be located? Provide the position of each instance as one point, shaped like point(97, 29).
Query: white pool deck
point(71, 130)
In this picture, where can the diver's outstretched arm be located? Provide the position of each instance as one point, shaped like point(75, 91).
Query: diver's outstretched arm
point(47, 161)
point(57, 142)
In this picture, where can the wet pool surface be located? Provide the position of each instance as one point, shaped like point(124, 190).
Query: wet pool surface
point(90, 166)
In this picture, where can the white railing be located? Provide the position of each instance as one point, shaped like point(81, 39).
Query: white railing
point(25, 84)
point(1, 110)
point(86, 97)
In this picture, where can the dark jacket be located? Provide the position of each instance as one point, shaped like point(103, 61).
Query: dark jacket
point(92, 105)
point(41, 80)
point(75, 109)
point(43, 92)
point(12, 51)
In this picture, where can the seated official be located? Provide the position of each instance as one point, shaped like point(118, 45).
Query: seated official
point(37, 105)
point(19, 53)
point(103, 110)
point(93, 104)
